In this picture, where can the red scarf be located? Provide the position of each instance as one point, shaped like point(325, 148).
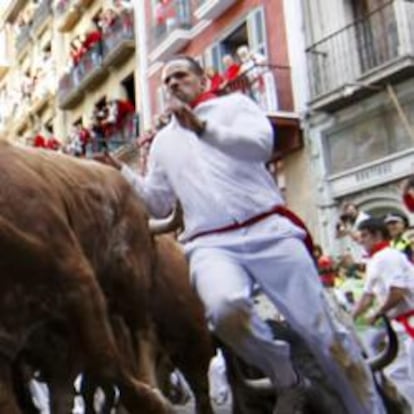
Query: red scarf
point(205, 96)
point(378, 247)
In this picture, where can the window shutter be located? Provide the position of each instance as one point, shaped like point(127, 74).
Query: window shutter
point(256, 29)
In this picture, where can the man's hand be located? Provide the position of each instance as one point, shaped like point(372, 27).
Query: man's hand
point(185, 116)
point(108, 159)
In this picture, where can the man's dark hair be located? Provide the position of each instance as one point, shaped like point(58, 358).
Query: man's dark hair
point(375, 226)
point(194, 65)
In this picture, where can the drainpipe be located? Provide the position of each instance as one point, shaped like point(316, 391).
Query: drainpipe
point(141, 56)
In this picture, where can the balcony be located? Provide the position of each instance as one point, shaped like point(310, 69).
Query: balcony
point(12, 8)
point(376, 49)
point(67, 13)
point(41, 15)
point(118, 139)
point(68, 92)
point(84, 76)
point(91, 71)
point(119, 40)
point(23, 39)
point(171, 30)
point(212, 9)
point(270, 87)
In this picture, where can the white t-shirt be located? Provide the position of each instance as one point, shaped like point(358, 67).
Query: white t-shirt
point(386, 269)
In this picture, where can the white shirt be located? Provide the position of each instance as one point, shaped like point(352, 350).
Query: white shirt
point(386, 269)
point(219, 178)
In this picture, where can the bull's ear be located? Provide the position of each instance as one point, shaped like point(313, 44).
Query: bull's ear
point(390, 352)
point(171, 223)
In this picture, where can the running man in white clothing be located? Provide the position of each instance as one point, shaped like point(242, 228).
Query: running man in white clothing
point(211, 157)
point(390, 282)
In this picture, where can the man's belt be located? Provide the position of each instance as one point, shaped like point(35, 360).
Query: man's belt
point(407, 320)
point(279, 209)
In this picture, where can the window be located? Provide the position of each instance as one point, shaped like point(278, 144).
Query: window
point(250, 32)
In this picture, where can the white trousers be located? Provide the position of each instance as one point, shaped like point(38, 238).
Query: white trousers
point(271, 253)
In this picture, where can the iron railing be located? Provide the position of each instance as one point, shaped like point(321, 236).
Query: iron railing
point(268, 85)
point(175, 15)
point(89, 62)
point(23, 38)
point(362, 47)
point(117, 137)
point(66, 84)
point(122, 29)
point(41, 14)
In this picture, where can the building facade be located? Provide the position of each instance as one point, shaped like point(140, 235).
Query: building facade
point(214, 32)
point(361, 107)
point(66, 61)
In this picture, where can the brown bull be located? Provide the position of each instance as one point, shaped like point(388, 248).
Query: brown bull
point(64, 225)
point(181, 335)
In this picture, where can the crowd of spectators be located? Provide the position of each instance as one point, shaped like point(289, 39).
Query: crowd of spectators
point(92, 38)
point(112, 123)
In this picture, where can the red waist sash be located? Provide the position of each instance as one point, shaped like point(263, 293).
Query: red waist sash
point(407, 320)
point(281, 210)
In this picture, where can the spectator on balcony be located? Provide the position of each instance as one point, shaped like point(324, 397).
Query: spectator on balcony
point(99, 126)
point(108, 19)
point(253, 67)
point(77, 50)
point(74, 147)
point(40, 141)
point(231, 71)
point(216, 80)
point(93, 36)
point(165, 14)
point(118, 111)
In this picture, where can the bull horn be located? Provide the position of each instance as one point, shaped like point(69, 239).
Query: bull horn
point(389, 353)
point(260, 385)
point(168, 224)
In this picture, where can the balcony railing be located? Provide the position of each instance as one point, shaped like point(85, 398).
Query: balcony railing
point(40, 15)
point(90, 67)
point(119, 39)
point(171, 27)
point(376, 47)
point(23, 38)
point(268, 85)
point(85, 75)
point(125, 134)
point(68, 93)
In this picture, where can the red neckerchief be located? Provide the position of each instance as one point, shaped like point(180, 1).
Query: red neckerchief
point(378, 247)
point(205, 96)
point(409, 202)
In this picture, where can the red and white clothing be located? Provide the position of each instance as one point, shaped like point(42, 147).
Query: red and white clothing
point(387, 268)
point(220, 178)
